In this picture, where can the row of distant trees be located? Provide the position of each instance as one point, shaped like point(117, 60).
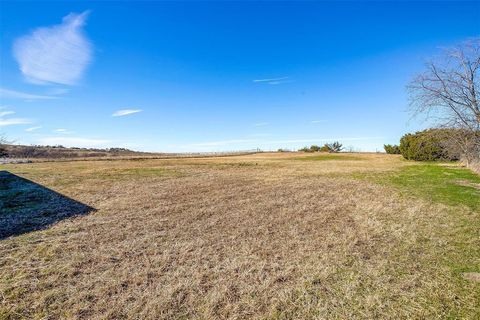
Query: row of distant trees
point(53, 152)
point(327, 147)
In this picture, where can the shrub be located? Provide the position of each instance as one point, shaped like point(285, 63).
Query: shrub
point(391, 149)
point(305, 149)
point(333, 147)
point(428, 145)
point(314, 148)
point(3, 151)
point(325, 148)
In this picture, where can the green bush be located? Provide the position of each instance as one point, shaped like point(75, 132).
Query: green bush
point(427, 145)
point(391, 149)
point(314, 148)
point(305, 149)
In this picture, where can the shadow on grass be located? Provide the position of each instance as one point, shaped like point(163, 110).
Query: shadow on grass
point(26, 206)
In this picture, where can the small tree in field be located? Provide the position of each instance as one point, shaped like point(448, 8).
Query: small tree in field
point(334, 147)
point(449, 91)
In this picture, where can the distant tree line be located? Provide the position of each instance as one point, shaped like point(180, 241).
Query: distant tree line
point(58, 151)
point(327, 147)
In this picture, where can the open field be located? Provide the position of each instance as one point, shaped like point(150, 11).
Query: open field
point(264, 236)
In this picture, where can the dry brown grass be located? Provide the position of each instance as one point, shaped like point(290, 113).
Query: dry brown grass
point(260, 236)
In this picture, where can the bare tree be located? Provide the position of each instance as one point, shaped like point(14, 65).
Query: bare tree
point(448, 91)
point(334, 147)
point(3, 142)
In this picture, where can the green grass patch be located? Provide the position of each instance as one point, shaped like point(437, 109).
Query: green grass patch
point(329, 157)
point(438, 183)
point(454, 243)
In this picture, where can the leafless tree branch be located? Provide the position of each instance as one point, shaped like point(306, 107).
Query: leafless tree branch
point(448, 90)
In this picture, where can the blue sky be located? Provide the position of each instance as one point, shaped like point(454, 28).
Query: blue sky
point(217, 76)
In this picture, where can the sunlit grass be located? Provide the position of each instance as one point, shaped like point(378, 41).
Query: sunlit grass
point(438, 183)
point(329, 156)
point(257, 236)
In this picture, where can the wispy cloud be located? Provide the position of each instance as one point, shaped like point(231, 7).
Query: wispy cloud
point(13, 94)
point(33, 129)
point(63, 131)
point(55, 54)
point(14, 121)
point(270, 79)
point(5, 113)
point(73, 142)
point(273, 81)
point(11, 121)
point(261, 124)
point(318, 121)
point(121, 113)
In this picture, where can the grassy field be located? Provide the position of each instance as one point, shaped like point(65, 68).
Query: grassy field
point(265, 236)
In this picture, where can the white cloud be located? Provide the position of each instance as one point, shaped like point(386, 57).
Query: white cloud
point(318, 121)
point(261, 124)
point(5, 113)
point(277, 82)
point(270, 79)
point(13, 121)
point(32, 129)
point(273, 81)
point(55, 54)
point(12, 94)
point(74, 142)
point(63, 131)
point(125, 112)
